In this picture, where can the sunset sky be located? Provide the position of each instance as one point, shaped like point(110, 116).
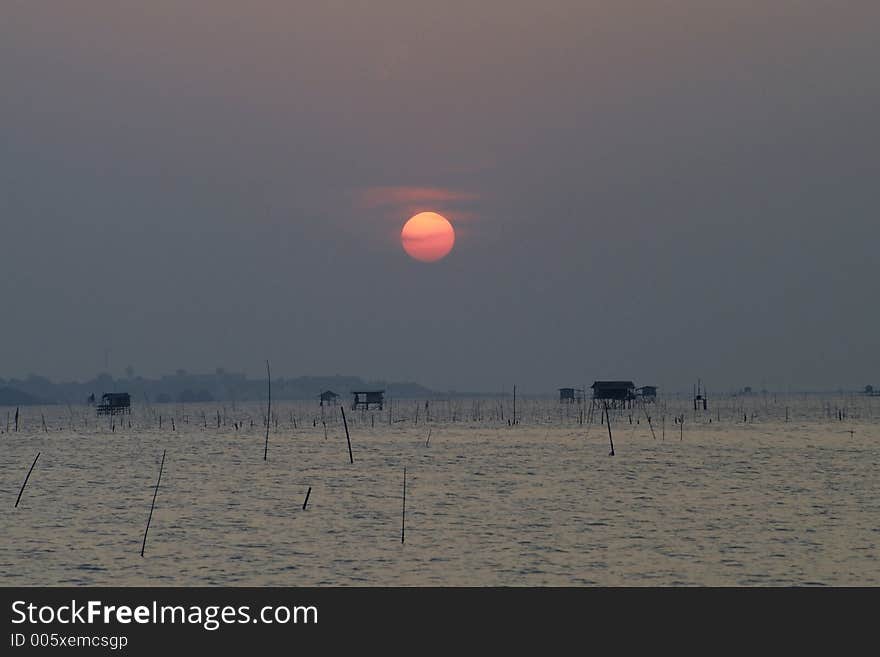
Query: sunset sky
point(650, 190)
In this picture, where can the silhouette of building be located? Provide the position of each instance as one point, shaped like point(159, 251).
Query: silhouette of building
point(647, 393)
point(571, 395)
point(114, 403)
point(328, 397)
point(701, 397)
point(363, 399)
point(616, 394)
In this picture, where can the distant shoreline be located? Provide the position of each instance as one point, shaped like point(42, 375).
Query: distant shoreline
point(222, 386)
point(184, 387)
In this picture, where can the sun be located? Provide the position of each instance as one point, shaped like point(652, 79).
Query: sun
point(427, 237)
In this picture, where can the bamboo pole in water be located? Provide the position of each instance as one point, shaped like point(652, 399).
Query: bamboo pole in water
point(608, 424)
point(28, 476)
point(403, 513)
point(268, 412)
point(155, 492)
point(347, 437)
point(649, 423)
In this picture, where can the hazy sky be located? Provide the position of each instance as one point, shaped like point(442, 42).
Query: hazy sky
point(650, 190)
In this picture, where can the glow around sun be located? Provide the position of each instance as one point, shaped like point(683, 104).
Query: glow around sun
point(427, 237)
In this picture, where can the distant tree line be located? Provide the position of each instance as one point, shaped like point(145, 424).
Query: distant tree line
point(184, 387)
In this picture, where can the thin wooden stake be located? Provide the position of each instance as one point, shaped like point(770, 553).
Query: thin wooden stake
point(268, 412)
point(155, 492)
point(514, 404)
point(26, 479)
point(347, 437)
point(649, 423)
point(429, 437)
point(403, 514)
point(309, 492)
point(608, 424)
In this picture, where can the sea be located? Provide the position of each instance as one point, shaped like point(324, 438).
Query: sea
point(756, 490)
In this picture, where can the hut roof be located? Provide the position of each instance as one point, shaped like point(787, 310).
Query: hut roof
point(613, 384)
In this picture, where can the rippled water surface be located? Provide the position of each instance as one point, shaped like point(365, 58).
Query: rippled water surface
point(761, 502)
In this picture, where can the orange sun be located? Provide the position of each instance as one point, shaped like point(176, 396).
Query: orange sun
point(428, 237)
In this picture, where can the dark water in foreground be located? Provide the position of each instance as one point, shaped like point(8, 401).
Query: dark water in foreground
point(767, 502)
